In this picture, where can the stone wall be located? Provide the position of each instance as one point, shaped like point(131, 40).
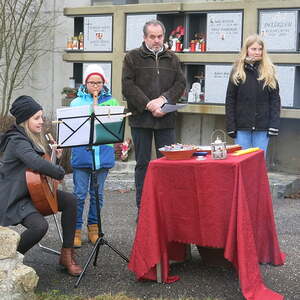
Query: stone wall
point(17, 281)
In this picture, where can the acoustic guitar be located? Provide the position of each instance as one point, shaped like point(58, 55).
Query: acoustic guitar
point(42, 188)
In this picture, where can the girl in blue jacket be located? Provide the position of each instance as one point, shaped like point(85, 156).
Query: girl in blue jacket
point(94, 86)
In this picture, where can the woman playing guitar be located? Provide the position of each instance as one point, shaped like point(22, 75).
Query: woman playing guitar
point(23, 146)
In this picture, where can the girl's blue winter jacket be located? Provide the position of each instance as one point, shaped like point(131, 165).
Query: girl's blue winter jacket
point(104, 154)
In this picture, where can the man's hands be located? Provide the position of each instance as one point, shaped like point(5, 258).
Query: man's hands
point(155, 106)
point(158, 113)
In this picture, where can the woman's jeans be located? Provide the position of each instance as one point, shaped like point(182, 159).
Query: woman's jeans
point(250, 139)
point(82, 179)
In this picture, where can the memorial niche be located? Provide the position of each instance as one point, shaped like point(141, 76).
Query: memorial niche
point(279, 29)
point(215, 27)
point(92, 34)
point(199, 31)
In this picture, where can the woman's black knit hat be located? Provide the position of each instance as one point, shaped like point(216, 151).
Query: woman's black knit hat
point(24, 107)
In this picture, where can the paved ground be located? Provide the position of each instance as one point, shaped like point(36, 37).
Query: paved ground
point(197, 280)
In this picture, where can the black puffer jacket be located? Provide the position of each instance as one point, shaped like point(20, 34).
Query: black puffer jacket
point(20, 154)
point(145, 77)
point(249, 106)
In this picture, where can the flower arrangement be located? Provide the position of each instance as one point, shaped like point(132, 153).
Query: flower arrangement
point(125, 147)
point(175, 37)
point(122, 149)
point(178, 33)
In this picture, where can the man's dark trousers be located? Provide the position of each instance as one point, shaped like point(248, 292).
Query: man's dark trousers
point(142, 140)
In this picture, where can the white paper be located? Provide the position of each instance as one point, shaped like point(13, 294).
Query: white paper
point(166, 108)
point(103, 110)
point(73, 118)
point(106, 114)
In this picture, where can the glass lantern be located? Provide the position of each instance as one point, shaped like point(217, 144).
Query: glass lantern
point(218, 148)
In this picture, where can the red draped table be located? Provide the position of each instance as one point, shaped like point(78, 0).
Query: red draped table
point(212, 203)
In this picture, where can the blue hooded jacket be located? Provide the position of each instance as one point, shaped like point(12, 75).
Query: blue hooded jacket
point(104, 154)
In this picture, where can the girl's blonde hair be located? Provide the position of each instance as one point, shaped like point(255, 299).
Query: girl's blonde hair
point(37, 138)
point(266, 68)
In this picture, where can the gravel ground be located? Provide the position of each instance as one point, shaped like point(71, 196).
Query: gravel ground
point(197, 280)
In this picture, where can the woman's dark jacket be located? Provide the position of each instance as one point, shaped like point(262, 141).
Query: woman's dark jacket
point(147, 76)
point(20, 154)
point(249, 106)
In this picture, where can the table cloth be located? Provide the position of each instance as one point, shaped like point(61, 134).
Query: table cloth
point(212, 203)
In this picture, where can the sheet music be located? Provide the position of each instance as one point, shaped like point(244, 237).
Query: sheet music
point(112, 113)
point(111, 117)
point(73, 118)
point(75, 125)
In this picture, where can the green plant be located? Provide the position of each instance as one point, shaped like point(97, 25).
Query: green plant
point(69, 91)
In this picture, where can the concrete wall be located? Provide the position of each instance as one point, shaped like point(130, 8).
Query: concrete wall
point(117, 2)
point(284, 154)
point(51, 74)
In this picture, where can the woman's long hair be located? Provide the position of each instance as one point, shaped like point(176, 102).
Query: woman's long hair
point(37, 138)
point(266, 68)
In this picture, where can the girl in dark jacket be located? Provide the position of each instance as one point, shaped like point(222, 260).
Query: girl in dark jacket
point(23, 147)
point(252, 98)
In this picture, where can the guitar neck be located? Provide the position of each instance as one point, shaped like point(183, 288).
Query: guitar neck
point(52, 142)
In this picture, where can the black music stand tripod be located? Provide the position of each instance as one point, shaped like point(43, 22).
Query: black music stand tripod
point(100, 241)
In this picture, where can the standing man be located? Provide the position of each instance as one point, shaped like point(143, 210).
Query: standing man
point(152, 76)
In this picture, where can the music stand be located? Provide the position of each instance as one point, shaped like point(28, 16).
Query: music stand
point(104, 125)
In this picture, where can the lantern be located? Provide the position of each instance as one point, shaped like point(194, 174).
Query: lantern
point(218, 148)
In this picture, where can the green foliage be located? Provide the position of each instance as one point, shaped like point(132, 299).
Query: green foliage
point(69, 91)
point(55, 295)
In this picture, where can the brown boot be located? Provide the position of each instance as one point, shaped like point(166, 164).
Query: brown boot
point(93, 233)
point(77, 238)
point(67, 260)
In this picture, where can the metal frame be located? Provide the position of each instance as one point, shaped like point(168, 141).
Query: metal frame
point(60, 236)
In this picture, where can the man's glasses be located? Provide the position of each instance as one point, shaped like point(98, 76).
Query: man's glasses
point(95, 83)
